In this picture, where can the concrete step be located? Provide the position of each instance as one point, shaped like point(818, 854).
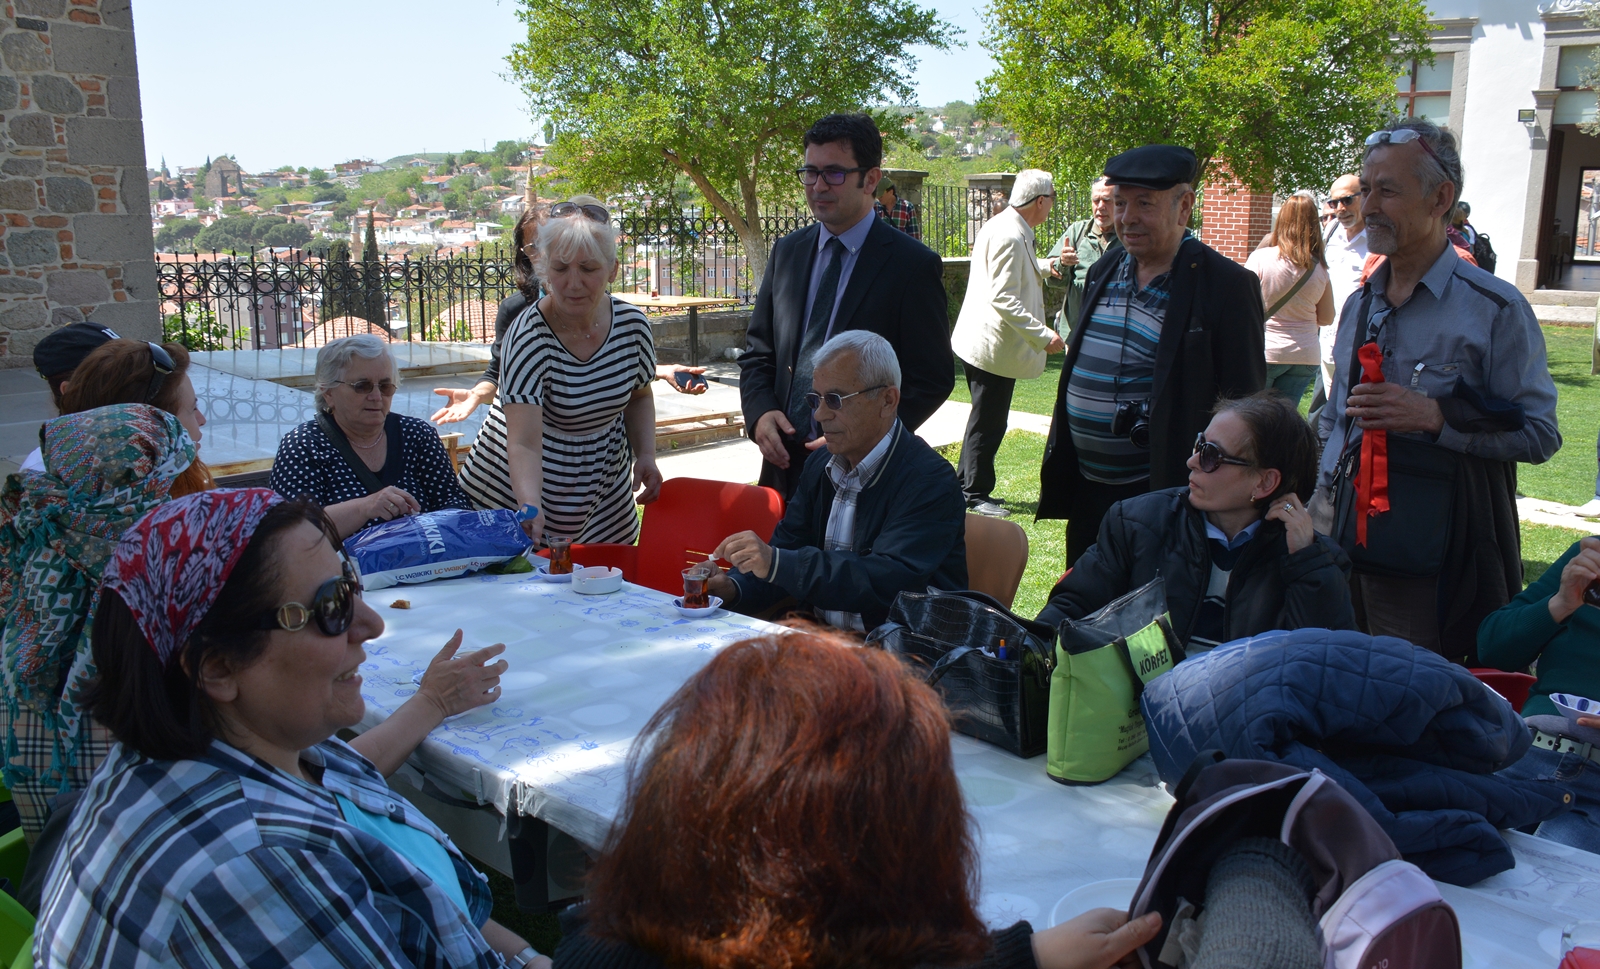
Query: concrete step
point(1563, 297)
point(1564, 315)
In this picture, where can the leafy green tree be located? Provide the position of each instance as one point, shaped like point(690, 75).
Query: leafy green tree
point(163, 191)
point(640, 91)
point(178, 235)
point(200, 330)
point(369, 250)
point(1278, 92)
point(294, 235)
point(333, 193)
point(397, 199)
point(317, 175)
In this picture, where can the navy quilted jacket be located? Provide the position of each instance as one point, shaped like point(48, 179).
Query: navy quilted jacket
point(1413, 737)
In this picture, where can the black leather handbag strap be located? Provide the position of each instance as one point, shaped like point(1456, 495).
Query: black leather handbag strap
point(364, 474)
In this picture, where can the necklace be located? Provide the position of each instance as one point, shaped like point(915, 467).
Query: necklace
point(368, 447)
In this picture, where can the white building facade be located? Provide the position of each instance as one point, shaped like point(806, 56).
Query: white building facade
point(1506, 82)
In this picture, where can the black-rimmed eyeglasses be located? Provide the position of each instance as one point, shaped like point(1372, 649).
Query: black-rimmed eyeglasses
point(333, 608)
point(161, 362)
point(833, 176)
point(594, 213)
point(835, 400)
point(1212, 456)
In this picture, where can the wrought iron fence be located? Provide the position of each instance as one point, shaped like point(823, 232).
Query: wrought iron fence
point(272, 299)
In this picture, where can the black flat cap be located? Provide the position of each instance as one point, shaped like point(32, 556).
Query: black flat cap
point(1152, 166)
point(63, 350)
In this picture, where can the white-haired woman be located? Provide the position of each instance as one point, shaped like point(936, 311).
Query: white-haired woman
point(363, 464)
point(575, 388)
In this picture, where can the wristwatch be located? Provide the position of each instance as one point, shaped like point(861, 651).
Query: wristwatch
point(522, 958)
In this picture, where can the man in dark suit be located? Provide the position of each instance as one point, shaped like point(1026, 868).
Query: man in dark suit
point(1168, 325)
point(849, 272)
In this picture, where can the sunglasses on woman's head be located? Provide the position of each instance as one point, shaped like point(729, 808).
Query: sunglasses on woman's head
point(594, 213)
point(161, 362)
point(1212, 456)
point(333, 607)
point(364, 386)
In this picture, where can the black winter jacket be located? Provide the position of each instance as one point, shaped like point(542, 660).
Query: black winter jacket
point(910, 533)
point(1211, 346)
point(1162, 534)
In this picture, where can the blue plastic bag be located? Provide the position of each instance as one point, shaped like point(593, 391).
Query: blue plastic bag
point(434, 545)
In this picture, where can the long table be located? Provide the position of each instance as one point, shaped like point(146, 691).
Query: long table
point(586, 673)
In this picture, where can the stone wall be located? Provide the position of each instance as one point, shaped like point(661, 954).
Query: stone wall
point(76, 241)
point(1233, 219)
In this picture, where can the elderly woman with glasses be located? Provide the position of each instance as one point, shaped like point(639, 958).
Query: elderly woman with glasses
point(363, 464)
point(575, 388)
point(228, 826)
point(1236, 548)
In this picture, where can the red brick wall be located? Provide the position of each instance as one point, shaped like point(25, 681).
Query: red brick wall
point(1234, 219)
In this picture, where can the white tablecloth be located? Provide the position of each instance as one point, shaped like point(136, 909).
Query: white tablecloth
point(587, 672)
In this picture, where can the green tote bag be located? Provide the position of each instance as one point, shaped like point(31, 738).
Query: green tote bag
point(1094, 728)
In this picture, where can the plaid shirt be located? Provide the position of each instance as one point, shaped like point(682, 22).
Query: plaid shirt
point(226, 861)
point(841, 534)
point(903, 217)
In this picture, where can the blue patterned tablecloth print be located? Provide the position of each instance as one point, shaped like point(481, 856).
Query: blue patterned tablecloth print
point(587, 672)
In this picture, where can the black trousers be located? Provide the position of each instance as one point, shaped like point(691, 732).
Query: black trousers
point(785, 480)
point(1091, 501)
point(986, 429)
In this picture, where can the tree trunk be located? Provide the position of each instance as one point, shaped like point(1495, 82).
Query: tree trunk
point(746, 220)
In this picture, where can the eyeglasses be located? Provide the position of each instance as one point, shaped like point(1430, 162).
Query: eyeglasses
point(161, 360)
point(1401, 136)
point(833, 176)
point(365, 386)
point(1212, 456)
point(594, 213)
point(333, 607)
point(836, 401)
point(1344, 200)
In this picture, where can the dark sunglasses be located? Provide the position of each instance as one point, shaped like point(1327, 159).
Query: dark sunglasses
point(161, 360)
point(1401, 136)
point(833, 176)
point(836, 401)
point(333, 607)
point(1213, 457)
point(1344, 200)
point(364, 386)
point(594, 213)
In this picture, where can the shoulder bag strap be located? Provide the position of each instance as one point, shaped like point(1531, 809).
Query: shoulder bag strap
point(368, 479)
point(1286, 297)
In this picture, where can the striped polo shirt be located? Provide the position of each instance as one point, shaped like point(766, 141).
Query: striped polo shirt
point(1116, 362)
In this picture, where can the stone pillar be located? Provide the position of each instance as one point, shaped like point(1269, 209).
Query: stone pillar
point(1234, 219)
point(987, 194)
point(907, 183)
point(76, 205)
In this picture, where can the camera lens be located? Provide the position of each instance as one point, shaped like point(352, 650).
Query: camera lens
point(1139, 434)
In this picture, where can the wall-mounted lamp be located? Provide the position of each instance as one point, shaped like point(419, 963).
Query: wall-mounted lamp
point(1527, 116)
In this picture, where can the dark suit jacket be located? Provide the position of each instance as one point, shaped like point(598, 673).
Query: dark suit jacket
point(1212, 345)
point(896, 290)
point(910, 533)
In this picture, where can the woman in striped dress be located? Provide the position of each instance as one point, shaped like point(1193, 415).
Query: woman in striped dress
point(575, 388)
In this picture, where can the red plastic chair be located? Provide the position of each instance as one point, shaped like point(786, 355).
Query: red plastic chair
point(1513, 686)
point(691, 518)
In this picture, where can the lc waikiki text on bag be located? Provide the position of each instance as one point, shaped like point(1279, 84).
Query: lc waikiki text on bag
point(991, 666)
point(434, 545)
point(1102, 664)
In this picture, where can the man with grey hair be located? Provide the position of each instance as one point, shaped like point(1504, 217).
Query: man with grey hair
point(877, 514)
point(1168, 326)
point(1001, 335)
point(1079, 248)
point(1449, 363)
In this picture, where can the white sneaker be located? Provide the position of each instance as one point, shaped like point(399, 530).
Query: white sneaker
point(1589, 509)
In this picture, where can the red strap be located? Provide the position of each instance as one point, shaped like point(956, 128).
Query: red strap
point(1372, 483)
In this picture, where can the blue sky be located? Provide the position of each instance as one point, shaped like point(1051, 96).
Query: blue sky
point(313, 82)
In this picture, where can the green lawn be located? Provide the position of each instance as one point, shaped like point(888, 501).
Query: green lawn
point(1569, 476)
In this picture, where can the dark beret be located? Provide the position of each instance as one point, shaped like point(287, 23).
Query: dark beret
point(63, 350)
point(1152, 166)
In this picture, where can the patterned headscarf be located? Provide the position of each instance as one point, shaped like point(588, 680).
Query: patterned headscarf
point(104, 469)
point(170, 567)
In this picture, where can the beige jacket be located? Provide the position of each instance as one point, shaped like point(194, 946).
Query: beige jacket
point(1002, 326)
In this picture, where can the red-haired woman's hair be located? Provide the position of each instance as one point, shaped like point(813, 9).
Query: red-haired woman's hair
point(1298, 233)
point(119, 372)
point(795, 806)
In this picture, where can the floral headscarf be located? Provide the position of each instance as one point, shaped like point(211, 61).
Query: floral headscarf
point(104, 469)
